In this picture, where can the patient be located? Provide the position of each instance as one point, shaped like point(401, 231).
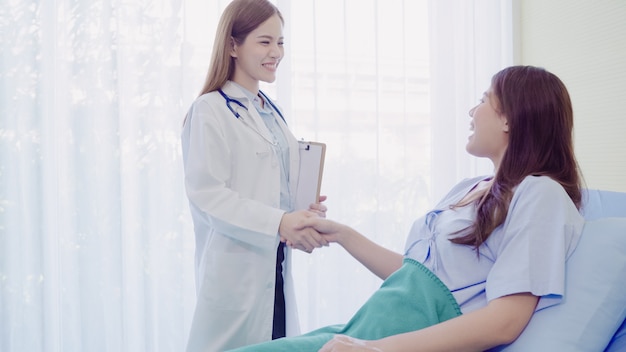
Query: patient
point(491, 252)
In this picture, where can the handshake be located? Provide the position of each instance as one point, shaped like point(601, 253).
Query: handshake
point(307, 229)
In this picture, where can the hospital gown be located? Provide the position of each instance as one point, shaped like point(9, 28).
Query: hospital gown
point(527, 253)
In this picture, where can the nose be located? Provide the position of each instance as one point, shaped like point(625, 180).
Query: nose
point(471, 111)
point(276, 52)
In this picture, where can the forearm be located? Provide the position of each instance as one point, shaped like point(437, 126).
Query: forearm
point(499, 323)
point(379, 260)
point(459, 334)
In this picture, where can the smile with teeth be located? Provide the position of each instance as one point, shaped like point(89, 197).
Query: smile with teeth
point(271, 65)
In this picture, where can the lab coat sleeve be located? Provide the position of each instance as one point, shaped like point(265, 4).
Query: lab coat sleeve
point(208, 161)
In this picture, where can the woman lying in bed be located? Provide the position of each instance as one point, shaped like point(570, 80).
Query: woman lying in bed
point(491, 253)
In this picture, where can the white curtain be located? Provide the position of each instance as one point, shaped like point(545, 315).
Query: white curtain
point(96, 242)
point(388, 86)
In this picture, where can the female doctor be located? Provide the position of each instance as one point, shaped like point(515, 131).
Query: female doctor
point(241, 167)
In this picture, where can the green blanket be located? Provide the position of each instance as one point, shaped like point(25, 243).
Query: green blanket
point(410, 299)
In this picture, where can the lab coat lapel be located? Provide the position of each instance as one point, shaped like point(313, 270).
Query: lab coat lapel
point(251, 117)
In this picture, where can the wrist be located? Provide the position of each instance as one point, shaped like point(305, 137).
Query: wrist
point(282, 225)
point(346, 236)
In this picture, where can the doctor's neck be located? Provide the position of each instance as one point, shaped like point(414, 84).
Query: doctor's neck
point(251, 85)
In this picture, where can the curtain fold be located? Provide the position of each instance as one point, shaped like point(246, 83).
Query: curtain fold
point(96, 240)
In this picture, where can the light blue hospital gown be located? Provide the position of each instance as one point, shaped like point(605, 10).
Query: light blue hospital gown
point(527, 253)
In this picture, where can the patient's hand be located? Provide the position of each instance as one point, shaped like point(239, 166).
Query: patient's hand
point(343, 343)
point(332, 231)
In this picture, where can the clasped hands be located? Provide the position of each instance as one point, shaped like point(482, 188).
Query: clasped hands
point(298, 236)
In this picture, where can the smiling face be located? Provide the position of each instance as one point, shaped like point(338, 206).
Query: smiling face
point(490, 130)
point(257, 58)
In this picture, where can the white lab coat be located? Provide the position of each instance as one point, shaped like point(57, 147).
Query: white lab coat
point(232, 179)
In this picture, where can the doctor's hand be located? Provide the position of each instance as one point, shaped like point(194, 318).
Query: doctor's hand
point(296, 236)
point(319, 208)
point(343, 343)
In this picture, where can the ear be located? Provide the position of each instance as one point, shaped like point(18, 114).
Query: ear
point(233, 47)
point(505, 124)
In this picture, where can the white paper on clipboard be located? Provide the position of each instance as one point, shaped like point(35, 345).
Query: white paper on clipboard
point(310, 178)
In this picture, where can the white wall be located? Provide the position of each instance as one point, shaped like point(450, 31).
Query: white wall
point(584, 43)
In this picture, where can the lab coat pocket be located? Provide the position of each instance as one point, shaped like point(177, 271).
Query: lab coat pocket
point(262, 154)
point(266, 157)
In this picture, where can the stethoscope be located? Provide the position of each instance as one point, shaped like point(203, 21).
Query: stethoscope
point(230, 100)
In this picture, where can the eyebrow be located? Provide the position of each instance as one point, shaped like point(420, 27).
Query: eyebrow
point(267, 36)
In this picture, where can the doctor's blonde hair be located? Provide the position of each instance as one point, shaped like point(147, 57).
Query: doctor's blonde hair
point(239, 18)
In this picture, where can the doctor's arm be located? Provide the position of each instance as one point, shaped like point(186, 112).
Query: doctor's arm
point(499, 323)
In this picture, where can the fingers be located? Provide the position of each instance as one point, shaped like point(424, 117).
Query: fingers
point(307, 240)
point(338, 343)
point(318, 208)
point(296, 246)
point(343, 343)
point(300, 237)
point(313, 238)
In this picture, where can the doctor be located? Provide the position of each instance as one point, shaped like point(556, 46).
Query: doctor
point(241, 167)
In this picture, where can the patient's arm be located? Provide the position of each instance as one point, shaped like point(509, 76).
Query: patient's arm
point(500, 322)
point(379, 260)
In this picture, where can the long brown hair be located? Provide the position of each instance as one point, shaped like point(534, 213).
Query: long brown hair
point(540, 119)
point(239, 18)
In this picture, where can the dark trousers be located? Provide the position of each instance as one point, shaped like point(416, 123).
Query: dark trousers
point(279, 327)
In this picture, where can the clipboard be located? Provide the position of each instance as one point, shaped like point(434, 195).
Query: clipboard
point(310, 177)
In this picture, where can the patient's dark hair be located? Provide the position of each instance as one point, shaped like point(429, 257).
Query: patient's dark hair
point(540, 119)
